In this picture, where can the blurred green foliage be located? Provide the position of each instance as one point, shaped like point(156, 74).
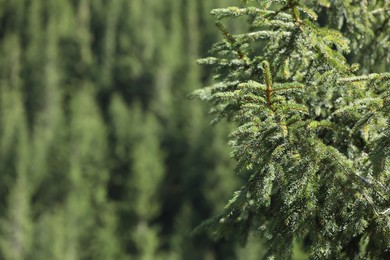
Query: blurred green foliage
point(102, 156)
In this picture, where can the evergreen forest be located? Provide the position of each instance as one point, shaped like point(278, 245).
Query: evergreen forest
point(108, 149)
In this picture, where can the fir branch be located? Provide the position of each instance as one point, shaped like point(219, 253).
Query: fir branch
point(300, 162)
point(221, 13)
point(287, 86)
point(373, 76)
point(232, 41)
point(295, 11)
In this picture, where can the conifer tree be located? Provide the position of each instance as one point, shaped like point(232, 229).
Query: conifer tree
point(311, 133)
point(139, 156)
point(16, 227)
point(15, 218)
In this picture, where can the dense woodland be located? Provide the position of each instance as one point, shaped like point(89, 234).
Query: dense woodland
point(102, 155)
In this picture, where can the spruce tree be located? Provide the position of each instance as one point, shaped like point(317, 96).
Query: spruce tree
point(15, 220)
point(138, 182)
point(312, 134)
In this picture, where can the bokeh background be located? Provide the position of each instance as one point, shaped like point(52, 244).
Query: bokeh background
point(102, 156)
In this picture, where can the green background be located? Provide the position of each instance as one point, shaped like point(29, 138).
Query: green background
point(102, 156)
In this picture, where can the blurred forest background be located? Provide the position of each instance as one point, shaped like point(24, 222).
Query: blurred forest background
point(102, 155)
